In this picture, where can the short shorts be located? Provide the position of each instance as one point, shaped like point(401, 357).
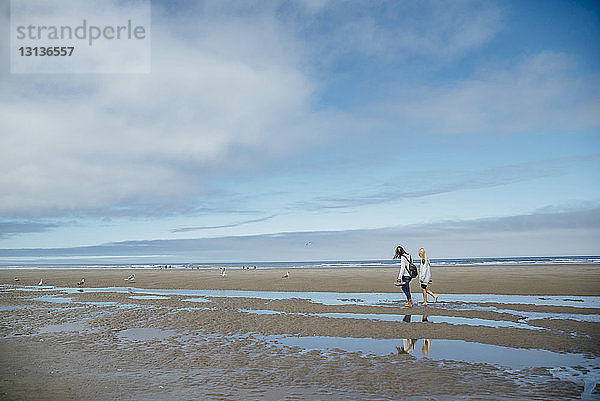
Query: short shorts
point(424, 286)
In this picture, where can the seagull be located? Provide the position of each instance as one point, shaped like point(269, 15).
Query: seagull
point(286, 275)
point(17, 279)
point(82, 282)
point(40, 283)
point(130, 278)
point(309, 243)
point(223, 272)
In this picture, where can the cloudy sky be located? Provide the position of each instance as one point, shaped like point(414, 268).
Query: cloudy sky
point(471, 128)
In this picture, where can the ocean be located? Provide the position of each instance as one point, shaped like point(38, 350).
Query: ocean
point(383, 263)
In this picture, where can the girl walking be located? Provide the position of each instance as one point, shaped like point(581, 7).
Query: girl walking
point(425, 276)
point(403, 275)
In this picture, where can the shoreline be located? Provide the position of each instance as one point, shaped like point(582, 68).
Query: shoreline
point(556, 279)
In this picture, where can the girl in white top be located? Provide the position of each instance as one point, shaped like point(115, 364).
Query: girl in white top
point(403, 275)
point(425, 276)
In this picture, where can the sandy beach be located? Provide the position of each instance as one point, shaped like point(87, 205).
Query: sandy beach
point(165, 336)
point(527, 280)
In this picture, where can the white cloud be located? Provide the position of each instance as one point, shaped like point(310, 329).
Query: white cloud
point(219, 97)
point(541, 93)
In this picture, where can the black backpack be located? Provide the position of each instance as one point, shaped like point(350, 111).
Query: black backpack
point(412, 269)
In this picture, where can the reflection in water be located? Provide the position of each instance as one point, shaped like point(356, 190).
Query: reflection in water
point(408, 346)
point(408, 318)
point(426, 346)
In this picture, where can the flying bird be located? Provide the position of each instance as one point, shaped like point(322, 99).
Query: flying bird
point(40, 283)
point(286, 275)
point(17, 279)
point(223, 272)
point(309, 243)
point(130, 278)
point(81, 283)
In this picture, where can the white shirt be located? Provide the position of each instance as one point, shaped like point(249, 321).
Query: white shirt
point(404, 265)
point(425, 272)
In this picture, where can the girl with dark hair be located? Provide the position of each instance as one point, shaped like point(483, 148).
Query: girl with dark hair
point(403, 275)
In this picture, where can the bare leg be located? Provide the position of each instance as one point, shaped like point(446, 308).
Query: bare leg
point(435, 297)
point(424, 296)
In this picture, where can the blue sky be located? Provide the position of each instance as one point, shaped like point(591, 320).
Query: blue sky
point(470, 128)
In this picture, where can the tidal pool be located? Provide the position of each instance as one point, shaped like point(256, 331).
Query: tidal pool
point(403, 318)
point(565, 366)
point(145, 333)
point(336, 298)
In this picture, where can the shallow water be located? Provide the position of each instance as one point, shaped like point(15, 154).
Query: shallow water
point(455, 350)
point(196, 300)
point(405, 318)
point(572, 367)
point(4, 308)
point(144, 334)
point(335, 298)
point(562, 364)
point(63, 327)
point(53, 299)
point(148, 297)
point(527, 315)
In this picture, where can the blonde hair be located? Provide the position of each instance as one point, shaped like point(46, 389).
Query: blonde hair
point(423, 254)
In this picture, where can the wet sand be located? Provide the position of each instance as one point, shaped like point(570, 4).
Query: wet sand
point(526, 280)
point(96, 345)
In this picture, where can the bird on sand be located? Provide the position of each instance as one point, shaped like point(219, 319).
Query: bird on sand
point(81, 283)
point(17, 279)
point(286, 275)
point(130, 278)
point(40, 283)
point(223, 272)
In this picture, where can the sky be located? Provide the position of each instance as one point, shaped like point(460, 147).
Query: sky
point(313, 130)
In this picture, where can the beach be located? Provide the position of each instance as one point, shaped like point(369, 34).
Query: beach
point(555, 279)
point(518, 332)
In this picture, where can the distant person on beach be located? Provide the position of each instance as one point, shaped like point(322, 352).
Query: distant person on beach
point(425, 276)
point(403, 275)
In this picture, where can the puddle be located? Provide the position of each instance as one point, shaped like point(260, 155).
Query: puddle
point(580, 317)
point(193, 308)
point(455, 350)
point(103, 303)
point(268, 312)
point(149, 297)
point(196, 300)
point(335, 298)
point(570, 367)
point(63, 327)
point(144, 333)
point(53, 299)
point(430, 319)
point(4, 308)
point(403, 318)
